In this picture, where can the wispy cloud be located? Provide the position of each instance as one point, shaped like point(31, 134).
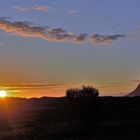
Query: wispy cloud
point(36, 86)
point(105, 39)
point(21, 8)
point(27, 29)
point(72, 11)
point(43, 8)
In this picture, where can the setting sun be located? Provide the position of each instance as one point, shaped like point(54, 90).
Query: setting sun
point(3, 93)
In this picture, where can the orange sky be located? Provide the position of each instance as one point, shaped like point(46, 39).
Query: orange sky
point(58, 90)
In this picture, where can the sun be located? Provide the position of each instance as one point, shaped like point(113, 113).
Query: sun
point(3, 93)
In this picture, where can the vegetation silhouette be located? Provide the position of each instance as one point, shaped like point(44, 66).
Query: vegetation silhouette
point(84, 92)
point(85, 104)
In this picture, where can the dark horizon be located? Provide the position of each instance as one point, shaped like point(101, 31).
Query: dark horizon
point(49, 46)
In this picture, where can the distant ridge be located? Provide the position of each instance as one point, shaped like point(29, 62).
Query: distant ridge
point(135, 92)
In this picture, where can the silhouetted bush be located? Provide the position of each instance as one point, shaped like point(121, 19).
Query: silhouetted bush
point(85, 105)
point(84, 92)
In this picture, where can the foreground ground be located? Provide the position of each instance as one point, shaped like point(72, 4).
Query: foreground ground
point(53, 118)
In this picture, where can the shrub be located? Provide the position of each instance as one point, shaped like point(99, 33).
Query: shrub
point(85, 106)
point(85, 91)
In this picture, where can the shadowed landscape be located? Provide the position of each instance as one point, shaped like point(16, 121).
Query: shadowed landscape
point(69, 70)
point(56, 118)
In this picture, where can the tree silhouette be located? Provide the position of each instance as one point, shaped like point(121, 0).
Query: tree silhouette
point(85, 104)
point(84, 92)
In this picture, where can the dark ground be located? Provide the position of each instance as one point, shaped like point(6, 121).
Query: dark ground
point(54, 119)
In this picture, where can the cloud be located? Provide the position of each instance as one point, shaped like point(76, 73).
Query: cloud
point(81, 37)
point(43, 8)
point(72, 11)
point(105, 39)
point(20, 8)
point(27, 29)
point(36, 86)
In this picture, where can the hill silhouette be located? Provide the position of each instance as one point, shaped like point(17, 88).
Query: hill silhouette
point(135, 92)
point(50, 118)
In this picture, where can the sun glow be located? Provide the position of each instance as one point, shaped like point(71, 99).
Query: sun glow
point(3, 93)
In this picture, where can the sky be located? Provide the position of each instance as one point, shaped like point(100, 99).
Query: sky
point(47, 46)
